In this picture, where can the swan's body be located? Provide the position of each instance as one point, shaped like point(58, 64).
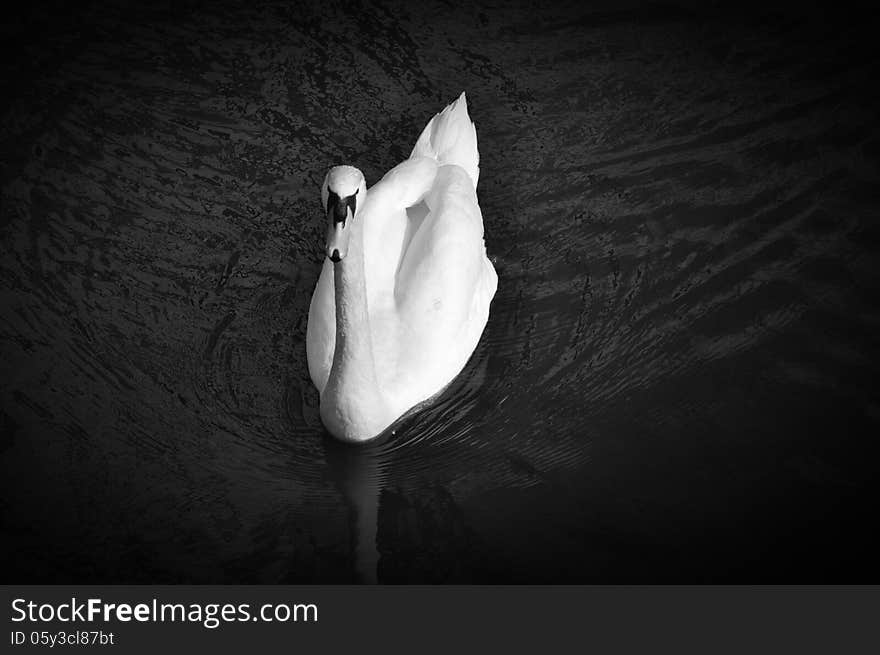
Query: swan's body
point(399, 310)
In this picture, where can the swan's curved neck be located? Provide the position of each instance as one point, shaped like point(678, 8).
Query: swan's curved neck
point(355, 406)
point(353, 343)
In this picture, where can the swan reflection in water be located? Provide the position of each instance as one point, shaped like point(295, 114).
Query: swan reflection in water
point(359, 475)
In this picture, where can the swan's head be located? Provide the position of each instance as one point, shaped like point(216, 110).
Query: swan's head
point(342, 195)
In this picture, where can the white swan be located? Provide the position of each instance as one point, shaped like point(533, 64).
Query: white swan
point(404, 293)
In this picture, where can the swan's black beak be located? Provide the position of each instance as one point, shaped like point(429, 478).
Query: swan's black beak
point(340, 212)
point(337, 241)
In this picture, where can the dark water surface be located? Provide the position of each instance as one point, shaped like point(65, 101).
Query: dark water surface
point(678, 381)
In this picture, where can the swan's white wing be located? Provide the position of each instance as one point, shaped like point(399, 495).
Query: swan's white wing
point(404, 185)
point(443, 267)
point(387, 228)
point(451, 138)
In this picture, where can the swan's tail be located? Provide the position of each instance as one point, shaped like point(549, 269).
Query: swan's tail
point(451, 138)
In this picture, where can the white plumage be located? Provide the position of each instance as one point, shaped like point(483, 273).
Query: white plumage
point(396, 318)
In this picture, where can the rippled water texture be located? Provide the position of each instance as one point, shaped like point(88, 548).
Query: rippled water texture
point(678, 378)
